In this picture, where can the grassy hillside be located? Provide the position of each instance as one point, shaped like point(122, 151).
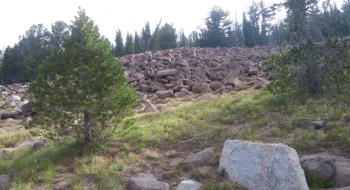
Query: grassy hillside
point(150, 139)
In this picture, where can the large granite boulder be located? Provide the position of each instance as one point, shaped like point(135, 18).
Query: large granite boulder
point(262, 166)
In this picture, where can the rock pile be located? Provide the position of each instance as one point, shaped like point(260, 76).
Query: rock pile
point(178, 72)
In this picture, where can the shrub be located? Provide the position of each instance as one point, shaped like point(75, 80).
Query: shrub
point(311, 68)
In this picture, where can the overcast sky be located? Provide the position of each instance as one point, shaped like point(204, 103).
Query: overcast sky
point(129, 15)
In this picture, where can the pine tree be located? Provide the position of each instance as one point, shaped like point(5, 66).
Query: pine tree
point(217, 27)
point(80, 90)
point(137, 43)
point(248, 32)
point(183, 42)
point(119, 45)
point(129, 45)
point(146, 36)
point(167, 37)
point(153, 42)
point(297, 20)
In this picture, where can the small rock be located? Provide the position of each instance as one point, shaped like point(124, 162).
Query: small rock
point(162, 94)
point(189, 185)
point(5, 181)
point(6, 129)
point(323, 165)
point(317, 124)
point(166, 72)
point(253, 71)
point(14, 97)
point(146, 181)
point(197, 159)
point(150, 108)
point(187, 145)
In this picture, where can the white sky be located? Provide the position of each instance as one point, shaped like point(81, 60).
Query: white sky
point(129, 15)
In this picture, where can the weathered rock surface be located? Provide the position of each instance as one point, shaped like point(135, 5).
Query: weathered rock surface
point(187, 145)
point(195, 68)
point(262, 166)
point(197, 159)
point(146, 181)
point(189, 185)
point(5, 181)
point(329, 166)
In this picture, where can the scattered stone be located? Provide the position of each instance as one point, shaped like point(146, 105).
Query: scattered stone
point(215, 85)
point(166, 72)
point(323, 164)
point(189, 185)
point(187, 145)
point(6, 129)
point(253, 71)
point(14, 97)
point(162, 94)
point(146, 181)
point(90, 182)
point(150, 108)
point(34, 144)
point(9, 114)
point(8, 105)
point(197, 159)
point(317, 124)
point(201, 88)
point(262, 166)
point(27, 109)
point(5, 181)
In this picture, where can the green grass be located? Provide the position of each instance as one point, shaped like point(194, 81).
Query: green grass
point(316, 182)
point(264, 117)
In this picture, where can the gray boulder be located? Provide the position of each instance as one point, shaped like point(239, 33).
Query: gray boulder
point(189, 185)
point(166, 72)
point(323, 164)
point(201, 88)
point(162, 94)
point(5, 181)
point(187, 145)
point(146, 181)
point(262, 166)
point(197, 159)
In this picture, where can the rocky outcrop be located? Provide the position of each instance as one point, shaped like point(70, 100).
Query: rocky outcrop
point(198, 70)
point(262, 166)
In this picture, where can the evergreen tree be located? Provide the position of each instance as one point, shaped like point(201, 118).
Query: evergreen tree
point(217, 27)
point(119, 45)
point(137, 43)
point(129, 45)
point(146, 36)
point(80, 90)
point(153, 43)
point(238, 37)
point(59, 33)
point(248, 32)
point(267, 15)
point(193, 39)
point(298, 20)
point(167, 37)
point(183, 42)
point(8, 71)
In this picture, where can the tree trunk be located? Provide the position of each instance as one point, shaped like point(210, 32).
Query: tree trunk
point(88, 125)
